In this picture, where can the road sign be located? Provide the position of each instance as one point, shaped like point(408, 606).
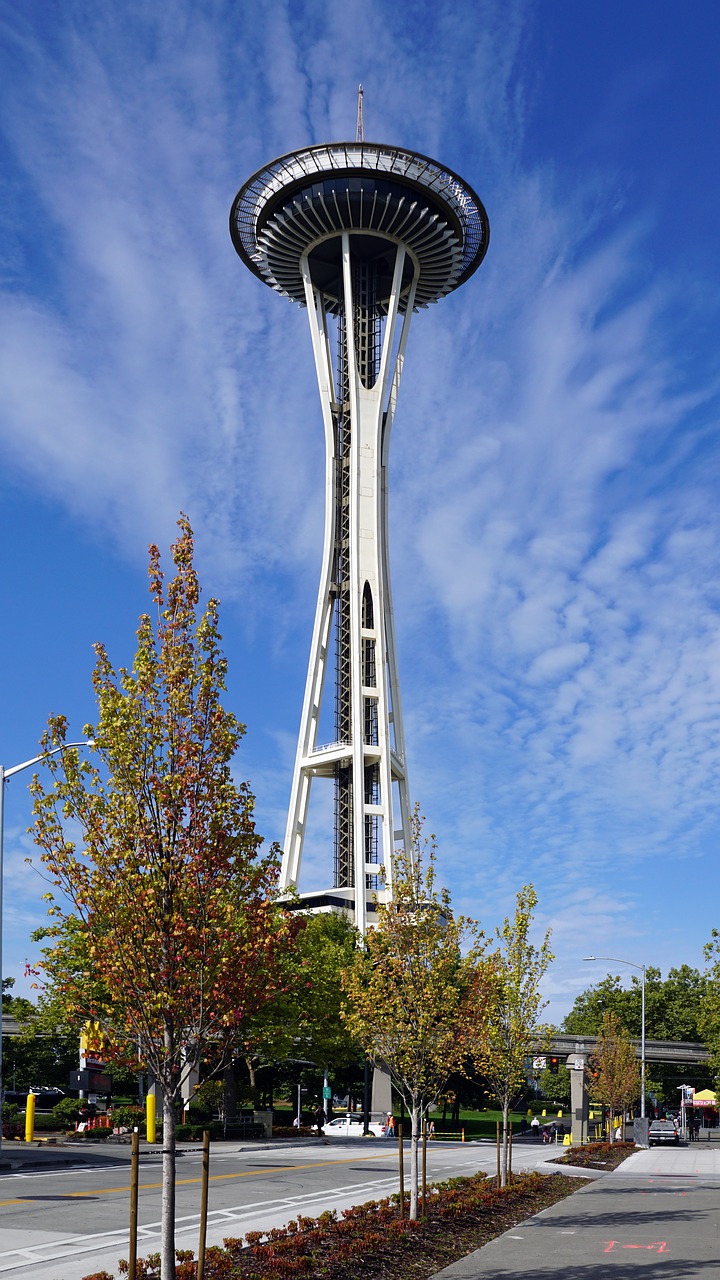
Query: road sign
point(327, 1091)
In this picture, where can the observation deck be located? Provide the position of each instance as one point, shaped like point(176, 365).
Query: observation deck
point(383, 196)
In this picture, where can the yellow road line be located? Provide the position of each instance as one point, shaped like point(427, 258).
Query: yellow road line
point(215, 1177)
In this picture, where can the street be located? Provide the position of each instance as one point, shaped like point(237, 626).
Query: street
point(63, 1223)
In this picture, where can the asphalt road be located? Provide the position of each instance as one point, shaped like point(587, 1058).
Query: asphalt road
point(63, 1223)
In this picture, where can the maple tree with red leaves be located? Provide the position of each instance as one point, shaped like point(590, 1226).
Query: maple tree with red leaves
point(166, 927)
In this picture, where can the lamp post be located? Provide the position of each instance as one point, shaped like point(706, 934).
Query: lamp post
point(641, 967)
point(4, 775)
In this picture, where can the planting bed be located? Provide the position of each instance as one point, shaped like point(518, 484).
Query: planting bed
point(598, 1155)
point(371, 1241)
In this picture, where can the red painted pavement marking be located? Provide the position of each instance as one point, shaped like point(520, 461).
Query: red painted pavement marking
point(659, 1246)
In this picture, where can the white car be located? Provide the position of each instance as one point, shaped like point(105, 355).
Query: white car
point(352, 1127)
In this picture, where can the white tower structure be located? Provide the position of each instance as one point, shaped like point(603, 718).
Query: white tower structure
point(362, 235)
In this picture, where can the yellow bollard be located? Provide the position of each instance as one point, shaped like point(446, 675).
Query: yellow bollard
point(30, 1117)
point(544, 1111)
point(567, 1140)
point(559, 1115)
point(150, 1122)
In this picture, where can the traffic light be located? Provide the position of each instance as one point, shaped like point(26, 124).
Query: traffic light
point(553, 1064)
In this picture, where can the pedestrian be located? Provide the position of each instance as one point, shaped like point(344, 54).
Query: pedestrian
point(535, 1126)
point(523, 1126)
point(390, 1125)
point(319, 1118)
point(431, 1129)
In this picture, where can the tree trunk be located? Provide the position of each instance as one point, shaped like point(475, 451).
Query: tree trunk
point(167, 1244)
point(504, 1151)
point(415, 1121)
point(230, 1093)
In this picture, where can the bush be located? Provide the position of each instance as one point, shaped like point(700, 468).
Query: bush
point(194, 1132)
point(371, 1240)
point(65, 1113)
point(128, 1118)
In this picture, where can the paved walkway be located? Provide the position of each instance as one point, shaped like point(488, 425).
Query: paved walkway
point(659, 1211)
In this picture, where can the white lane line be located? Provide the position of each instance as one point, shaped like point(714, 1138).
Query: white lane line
point(53, 1250)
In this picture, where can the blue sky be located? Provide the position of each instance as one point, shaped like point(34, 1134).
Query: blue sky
point(555, 540)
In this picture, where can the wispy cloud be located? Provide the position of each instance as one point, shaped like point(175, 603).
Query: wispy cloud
point(554, 537)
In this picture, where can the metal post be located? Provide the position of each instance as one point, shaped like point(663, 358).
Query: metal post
point(402, 1172)
point(642, 1051)
point(4, 775)
point(2, 828)
point(366, 1098)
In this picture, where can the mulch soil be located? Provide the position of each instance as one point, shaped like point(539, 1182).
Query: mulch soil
point(598, 1155)
point(371, 1241)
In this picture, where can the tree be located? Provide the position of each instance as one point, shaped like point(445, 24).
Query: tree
point(613, 1071)
point(513, 1032)
point(674, 1010)
point(411, 994)
point(38, 1054)
point(166, 924)
point(304, 1021)
point(555, 1085)
point(709, 1016)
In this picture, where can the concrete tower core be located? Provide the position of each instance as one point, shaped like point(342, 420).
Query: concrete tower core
point(361, 234)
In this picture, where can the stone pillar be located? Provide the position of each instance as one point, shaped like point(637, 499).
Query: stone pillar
point(381, 1102)
point(578, 1098)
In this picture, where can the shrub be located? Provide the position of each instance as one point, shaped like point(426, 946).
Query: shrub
point(65, 1113)
point(128, 1118)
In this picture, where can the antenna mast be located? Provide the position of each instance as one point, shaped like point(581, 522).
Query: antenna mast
point(360, 130)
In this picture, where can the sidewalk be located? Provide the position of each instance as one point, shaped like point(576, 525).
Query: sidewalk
point(657, 1211)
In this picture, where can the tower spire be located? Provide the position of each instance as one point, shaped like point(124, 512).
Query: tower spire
point(363, 235)
point(360, 128)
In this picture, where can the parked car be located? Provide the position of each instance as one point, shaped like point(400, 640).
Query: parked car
point(352, 1127)
point(45, 1097)
point(662, 1131)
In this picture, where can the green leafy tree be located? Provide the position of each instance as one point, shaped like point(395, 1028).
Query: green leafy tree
point(513, 1032)
point(709, 1019)
point(675, 1009)
point(42, 1053)
point(555, 1085)
point(304, 1020)
point(167, 926)
point(412, 994)
point(613, 1071)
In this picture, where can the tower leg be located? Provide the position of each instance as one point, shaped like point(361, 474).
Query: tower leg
point(367, 758)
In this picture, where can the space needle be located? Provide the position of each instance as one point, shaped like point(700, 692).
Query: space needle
point(362, 235)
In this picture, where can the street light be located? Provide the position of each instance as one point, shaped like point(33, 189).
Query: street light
point(641, 967)
point(4, 775)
